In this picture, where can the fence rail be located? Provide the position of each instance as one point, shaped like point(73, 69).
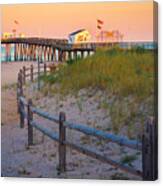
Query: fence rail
point(26, 110)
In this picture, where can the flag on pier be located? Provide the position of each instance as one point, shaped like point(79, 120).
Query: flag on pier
point(16, 22)
point(99, 24)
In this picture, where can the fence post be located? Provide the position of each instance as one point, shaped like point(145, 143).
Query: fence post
point(44, 68)
point(18, 93)
point(21, 111)
point(38, 79)
point(150, 151)
point(30, 118)
point(21, 82)
point(24, 74)
point(31, 73)
point(62, 146)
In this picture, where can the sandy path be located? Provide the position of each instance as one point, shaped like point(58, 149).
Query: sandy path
point(9, 107)
point(17, 159)
point(10, 70)
point(9, 73)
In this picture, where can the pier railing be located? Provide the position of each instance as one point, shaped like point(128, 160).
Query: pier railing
point(147, 147)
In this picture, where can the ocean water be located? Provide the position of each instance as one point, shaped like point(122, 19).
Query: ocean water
point(3, 53)
point(145, 45)
point(12, 51)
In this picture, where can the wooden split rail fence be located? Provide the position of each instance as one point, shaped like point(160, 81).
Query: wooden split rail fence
point(148, 146)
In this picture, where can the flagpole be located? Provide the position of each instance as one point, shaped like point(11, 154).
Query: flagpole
point(99, 26)
point(16, 23)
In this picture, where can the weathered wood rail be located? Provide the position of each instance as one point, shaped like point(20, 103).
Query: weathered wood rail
point(148, 145)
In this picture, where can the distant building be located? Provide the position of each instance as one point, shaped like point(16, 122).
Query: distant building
point(79, 36)
point(110, 36)
point(6, 35)
point(21, 35)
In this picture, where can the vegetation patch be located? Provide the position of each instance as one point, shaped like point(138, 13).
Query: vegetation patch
point(9, 86)
point(125, 78)
point(128, 159)
point(121, 72)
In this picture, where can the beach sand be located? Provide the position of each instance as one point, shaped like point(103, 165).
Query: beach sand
point(41, 159)
point(9, 72)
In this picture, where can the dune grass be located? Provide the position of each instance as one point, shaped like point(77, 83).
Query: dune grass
point(126, 76)
point(120, 72)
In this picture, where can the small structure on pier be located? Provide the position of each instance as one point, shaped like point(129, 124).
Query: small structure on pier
point(7, 35)
point(21, 35)
point(78, 36)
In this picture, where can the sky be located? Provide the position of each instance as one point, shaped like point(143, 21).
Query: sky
point(57, 20)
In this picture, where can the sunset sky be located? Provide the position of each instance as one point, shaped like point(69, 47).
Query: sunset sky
point(133, 19)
